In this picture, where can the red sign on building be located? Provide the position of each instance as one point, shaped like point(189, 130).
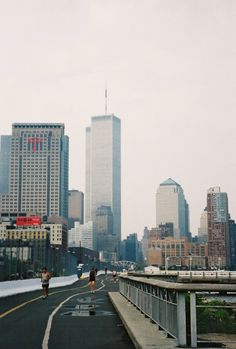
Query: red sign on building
point(28, 221)
point(35, 142)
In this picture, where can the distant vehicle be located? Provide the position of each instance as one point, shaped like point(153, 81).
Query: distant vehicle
point(30, 274)
point(14, 276)
point(151, 269)
point(79, 270)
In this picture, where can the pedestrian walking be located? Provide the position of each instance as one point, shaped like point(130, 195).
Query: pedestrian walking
point(92, 279)
point(45, 277)
point(114, 275)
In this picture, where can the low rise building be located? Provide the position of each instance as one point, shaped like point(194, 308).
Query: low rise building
point(176, 252)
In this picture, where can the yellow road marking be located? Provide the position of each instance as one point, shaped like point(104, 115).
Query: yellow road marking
point(35, 299)
point(17, 307)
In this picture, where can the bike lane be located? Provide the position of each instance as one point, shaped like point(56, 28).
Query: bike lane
point(89, 321)
point(23, 318)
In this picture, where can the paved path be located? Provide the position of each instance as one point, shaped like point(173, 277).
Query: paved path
point(71, 317)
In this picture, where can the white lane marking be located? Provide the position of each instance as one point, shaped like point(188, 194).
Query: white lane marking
point(49, 324)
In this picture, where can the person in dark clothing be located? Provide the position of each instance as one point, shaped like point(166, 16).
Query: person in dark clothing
point(114, 275)
point(92, 279)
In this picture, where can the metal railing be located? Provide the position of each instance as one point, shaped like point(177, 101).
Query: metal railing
point(184, 310)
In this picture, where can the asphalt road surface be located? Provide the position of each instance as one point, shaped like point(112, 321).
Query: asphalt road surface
point(71, 317)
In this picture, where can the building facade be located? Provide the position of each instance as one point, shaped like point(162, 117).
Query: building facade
point(218, 228)
point(203, 230)
point(5, 142)
point(171, 207)
point(82, 235)
point(179, 253)
point(107, 242)
point(38, 172)
point(232, 239)
point(103, 169)
point(75, 207)
point(131, 248)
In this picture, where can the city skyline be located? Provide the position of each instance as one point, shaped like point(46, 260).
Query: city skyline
point(170, 73)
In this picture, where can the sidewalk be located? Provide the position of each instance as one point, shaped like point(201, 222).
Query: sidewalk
point(143, 333)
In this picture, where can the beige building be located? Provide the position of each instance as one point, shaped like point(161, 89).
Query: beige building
point(27, 234)
point(75, 207)
point(176, 252)
point(58, 231)
point(203, 229)
point(171, 207)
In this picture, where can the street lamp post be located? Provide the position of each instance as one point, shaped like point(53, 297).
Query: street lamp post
point(190, 263)
point(166, 263)
point(219, 263)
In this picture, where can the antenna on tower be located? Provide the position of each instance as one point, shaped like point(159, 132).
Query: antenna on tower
point(106, 100)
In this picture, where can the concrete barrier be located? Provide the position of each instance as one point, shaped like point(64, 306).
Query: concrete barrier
point(10, 288)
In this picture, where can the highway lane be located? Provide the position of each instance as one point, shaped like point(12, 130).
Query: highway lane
point(81, 319)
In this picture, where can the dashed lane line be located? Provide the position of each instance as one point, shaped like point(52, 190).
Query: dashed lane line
point(49, 324)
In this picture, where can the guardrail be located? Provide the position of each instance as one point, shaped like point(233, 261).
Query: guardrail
point(185, 311)
point(192, 276)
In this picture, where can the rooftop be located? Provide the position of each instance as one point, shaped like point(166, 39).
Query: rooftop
point(169, 181)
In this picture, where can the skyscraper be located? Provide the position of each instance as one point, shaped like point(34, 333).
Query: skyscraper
point(232, 241)
point(131, 248)
point(171, 207)
point(75, 207)
point(103, 169)
point(202, 231)
point(218, 228)
point(104, 220)
point(5, 142)
point(38, 170)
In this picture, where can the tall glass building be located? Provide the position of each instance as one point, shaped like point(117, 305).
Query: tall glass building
point(38, 171)
point(171, 207)
point(103, 169)
point(5, 142)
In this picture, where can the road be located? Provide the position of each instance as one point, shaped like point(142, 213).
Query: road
point(71, 317)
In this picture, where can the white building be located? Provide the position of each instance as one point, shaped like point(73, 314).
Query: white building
point(82, 235)
point(171, 207)
point(103, 169)
point(55, 233)
point(203, 229)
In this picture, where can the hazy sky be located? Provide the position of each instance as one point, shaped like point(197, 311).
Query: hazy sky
point(170, 67)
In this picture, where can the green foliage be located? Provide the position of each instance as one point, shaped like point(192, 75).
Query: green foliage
point(213, 317)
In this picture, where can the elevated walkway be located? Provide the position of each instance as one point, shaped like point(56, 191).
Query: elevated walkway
point(143, 333)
